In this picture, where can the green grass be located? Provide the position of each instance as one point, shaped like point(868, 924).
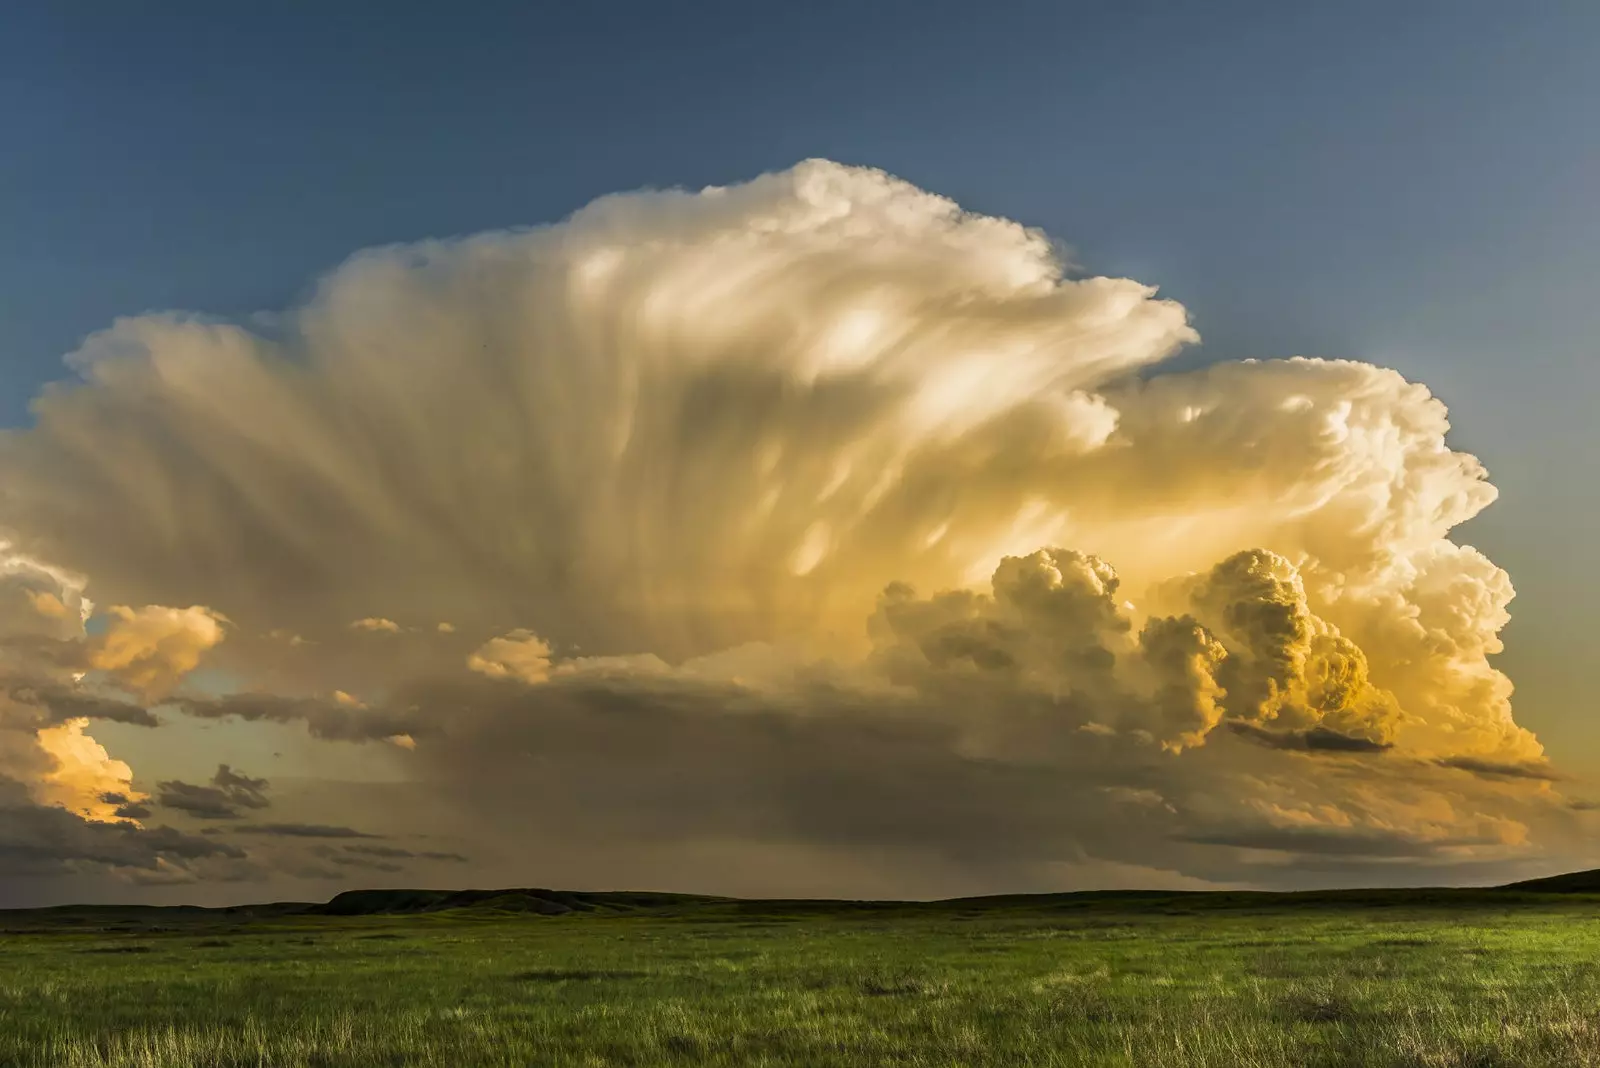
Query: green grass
point(1167, 981)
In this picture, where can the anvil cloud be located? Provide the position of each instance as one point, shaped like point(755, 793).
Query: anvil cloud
point(805, 535)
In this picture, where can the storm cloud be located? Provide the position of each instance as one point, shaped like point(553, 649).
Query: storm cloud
point(809, 525)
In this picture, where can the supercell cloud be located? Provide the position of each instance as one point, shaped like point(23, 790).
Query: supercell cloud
point(806, 535)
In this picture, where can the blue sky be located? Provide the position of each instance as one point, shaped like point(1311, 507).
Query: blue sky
point(1414, 184)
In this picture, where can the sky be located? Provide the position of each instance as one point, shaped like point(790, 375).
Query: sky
point(806, 536)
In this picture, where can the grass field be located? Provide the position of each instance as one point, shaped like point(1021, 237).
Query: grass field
point(1176, 980)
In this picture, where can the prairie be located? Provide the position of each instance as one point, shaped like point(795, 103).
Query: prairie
point(1414, 978)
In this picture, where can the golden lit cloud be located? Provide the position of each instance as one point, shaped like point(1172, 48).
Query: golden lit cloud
point(47, 604)
point(151, 649)
point(520, 655)
point(83, 773)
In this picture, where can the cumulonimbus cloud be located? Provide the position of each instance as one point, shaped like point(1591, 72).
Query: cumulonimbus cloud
point(818, 466)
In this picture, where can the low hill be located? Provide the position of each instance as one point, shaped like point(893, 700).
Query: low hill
point(537, 901)
point(545, 902)
point(1573, 882)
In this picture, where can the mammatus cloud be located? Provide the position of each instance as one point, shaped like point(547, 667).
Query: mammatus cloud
point(810, 527)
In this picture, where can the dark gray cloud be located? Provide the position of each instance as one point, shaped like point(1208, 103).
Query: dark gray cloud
point(60, 703)
point(126, 809)
point(366, 864)
point(1333, 841)
point(590, 766)
point(303, 830)
point(228, 793)
point(1537, 770)
point(39, 840)
point(345, 858)
point(1317, 738)
point(324, 718)
point(395, 853)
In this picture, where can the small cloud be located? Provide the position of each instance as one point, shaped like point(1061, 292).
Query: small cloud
point(393, 853)
point(303, 830)
point(404, 741)
point(521, 655)
point(126, 807)
point(1316, 739)
point(229, 792)
point(1494, 769)
point(447, 628)
point(348, 700)
point(376, 624)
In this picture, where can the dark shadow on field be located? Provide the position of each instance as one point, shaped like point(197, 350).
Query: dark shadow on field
point(1319, 1004)
point(576, 975)
point(889, 986)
